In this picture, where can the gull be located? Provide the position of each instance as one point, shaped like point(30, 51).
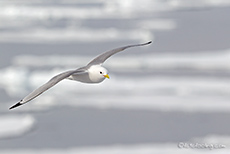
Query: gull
point(93, 72)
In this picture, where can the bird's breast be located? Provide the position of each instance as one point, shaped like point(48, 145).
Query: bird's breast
point(81, 78)
point(85, 78)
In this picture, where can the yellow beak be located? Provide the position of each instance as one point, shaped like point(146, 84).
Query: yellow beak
point(106, 76)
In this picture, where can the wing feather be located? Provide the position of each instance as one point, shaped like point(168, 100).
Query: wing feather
point(53, 81)
point(102, 57)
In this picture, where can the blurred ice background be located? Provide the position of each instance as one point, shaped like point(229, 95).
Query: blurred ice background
point(175, 90)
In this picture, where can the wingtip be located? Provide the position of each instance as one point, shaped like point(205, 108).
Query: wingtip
point(149, 42)
point(16, 105)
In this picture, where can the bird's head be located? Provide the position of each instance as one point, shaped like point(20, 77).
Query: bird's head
point(98, 73)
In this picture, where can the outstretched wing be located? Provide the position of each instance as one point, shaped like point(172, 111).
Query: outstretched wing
point(102, 58)
point(46, 86)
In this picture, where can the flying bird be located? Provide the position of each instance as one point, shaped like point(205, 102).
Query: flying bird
point(93, 72)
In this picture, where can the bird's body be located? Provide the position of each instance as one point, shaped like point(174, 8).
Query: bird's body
point(93, 72)
point(90, 75)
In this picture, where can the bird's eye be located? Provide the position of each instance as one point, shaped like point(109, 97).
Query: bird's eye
point(100, 72)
